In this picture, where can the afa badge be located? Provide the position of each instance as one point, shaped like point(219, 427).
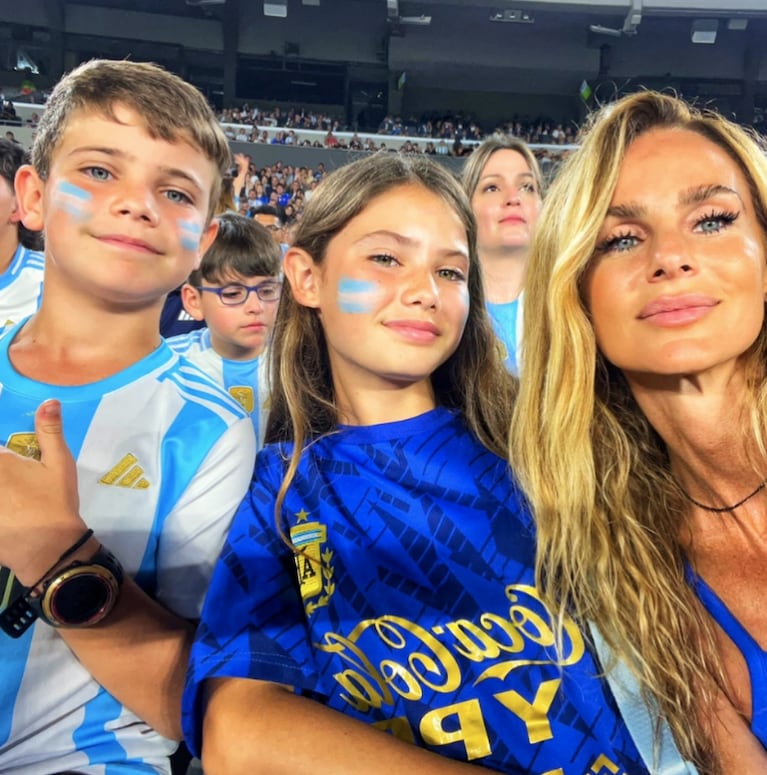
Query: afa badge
point(244, 396)
point(313, 563)
point(24, 444)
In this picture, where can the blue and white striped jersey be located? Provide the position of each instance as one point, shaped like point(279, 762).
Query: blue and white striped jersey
point(164, 457)
point(246, 381)
point(21, 285)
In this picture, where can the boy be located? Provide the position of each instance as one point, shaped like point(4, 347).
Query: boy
point(127, 164)
point(21, 262)
point(235, 291)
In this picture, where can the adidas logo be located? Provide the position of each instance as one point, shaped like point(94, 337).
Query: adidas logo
point(127, 473)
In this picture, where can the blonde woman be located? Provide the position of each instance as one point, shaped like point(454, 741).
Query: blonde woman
point(504, 182)
point(640, 430)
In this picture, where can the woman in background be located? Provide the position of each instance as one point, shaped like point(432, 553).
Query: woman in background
point(504, 182)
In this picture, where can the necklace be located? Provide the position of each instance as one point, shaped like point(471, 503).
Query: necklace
point(720, 509)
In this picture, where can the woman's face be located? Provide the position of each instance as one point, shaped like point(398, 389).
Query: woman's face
point(506, 203)
point(677, 283)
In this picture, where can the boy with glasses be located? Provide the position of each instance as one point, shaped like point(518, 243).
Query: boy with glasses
point(235, 291)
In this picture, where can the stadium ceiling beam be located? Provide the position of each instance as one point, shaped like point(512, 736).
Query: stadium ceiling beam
point(653, 7)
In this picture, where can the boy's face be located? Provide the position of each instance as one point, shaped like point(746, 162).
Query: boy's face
point(238, 332)
point(125, 215)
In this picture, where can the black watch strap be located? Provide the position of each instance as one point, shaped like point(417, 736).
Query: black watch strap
point(18, 616)
point(34, 602)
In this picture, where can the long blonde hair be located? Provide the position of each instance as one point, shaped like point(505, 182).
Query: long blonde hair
point(597, 475)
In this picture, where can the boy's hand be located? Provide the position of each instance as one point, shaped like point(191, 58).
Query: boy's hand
point(39, 505)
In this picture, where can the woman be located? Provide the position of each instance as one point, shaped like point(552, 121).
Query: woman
point(503, 180)
point(640, 431)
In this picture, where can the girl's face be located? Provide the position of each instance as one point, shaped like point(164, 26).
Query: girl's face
point(677, 283)
point(392, 291)
point(506, 202)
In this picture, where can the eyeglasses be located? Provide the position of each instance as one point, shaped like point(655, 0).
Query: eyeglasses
point(234, 294)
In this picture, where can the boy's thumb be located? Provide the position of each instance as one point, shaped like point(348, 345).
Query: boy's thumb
point(49, 430)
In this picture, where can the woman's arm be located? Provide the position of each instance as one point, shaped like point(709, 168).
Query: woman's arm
point(252, 726)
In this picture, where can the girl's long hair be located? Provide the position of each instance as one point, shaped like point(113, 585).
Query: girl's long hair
point(597, 475)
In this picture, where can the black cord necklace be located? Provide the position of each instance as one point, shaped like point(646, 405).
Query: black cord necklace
point(720, 509)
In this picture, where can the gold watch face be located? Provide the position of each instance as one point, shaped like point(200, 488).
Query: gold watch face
point(80, 596)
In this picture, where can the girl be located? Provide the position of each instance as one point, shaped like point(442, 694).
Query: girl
point(504, 182)
point(380, 570)
point(640, 432)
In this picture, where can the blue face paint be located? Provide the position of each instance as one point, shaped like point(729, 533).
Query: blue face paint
point(73, 200)
point(190, 234)
point(356, 296)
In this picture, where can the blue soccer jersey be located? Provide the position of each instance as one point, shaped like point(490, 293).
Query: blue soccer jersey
point(164, 457)
point(21, 285)
point(246, 381)
point(410, 604)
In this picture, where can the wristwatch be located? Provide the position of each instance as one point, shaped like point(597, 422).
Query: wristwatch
point(80, 594)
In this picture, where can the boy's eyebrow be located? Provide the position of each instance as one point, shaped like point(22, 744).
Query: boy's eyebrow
point(108, 151)
point(404, 240)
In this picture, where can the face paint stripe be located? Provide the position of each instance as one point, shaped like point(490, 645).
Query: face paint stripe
point(190, 234)
point(73, 200)
point(70, 189)
point(356, 296)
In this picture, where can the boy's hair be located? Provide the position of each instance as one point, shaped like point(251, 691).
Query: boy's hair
point(12, 156)
point(172, 109)
point(242, 247)
point(472, 380)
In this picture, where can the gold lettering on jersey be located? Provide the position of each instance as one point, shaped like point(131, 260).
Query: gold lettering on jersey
point(470, 728)
point(534, 714)
point(603, 766)
point(24, 444)
point(429, 657)
point(244, 396)
point(431, 660)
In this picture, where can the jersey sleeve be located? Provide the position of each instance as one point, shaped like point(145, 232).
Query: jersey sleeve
point(253, 623)
point(194, 532)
